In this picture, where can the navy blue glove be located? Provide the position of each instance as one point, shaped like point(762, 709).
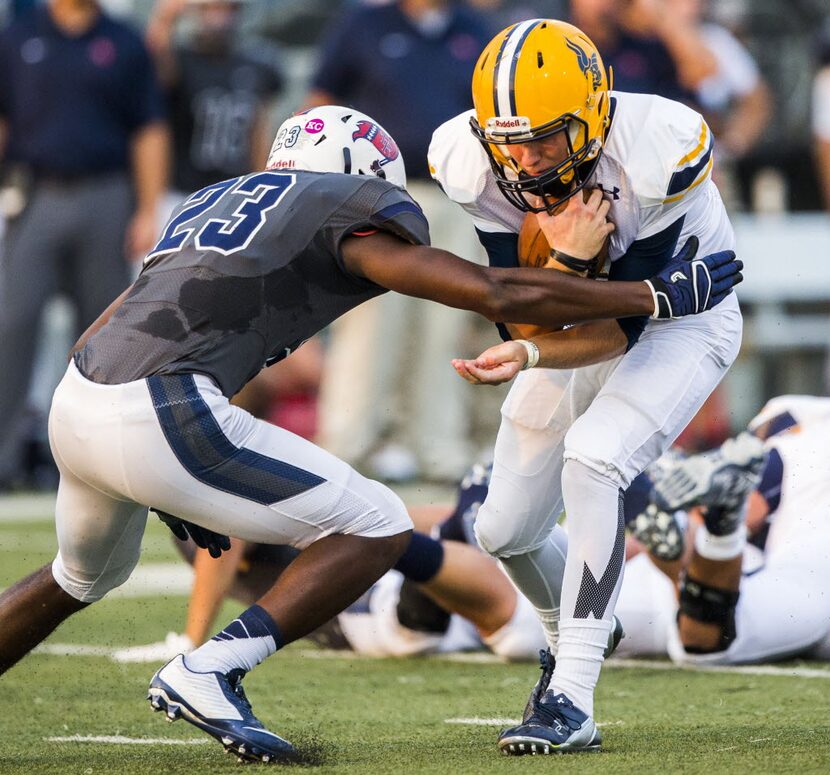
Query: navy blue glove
point(689, 285)
point(215, 543)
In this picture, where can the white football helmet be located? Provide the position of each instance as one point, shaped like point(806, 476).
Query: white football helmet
point(336, 139)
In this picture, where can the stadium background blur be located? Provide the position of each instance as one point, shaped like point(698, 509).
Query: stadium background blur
point(774, 192)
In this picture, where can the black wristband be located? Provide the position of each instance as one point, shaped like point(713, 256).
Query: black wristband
point(586, 265)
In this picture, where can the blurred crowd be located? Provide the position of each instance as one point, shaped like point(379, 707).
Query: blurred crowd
point(112, 112)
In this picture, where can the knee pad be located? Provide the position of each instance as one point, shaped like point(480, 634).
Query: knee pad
point(709, 605)
point(417, 611)
point(498, 536)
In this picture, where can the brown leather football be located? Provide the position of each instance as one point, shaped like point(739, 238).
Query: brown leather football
point(534, 250)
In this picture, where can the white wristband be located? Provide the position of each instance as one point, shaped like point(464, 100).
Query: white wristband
point(532, 353)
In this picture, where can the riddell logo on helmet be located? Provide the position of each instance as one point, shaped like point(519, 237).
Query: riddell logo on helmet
point(282, 164)
point(507, 123)
point(314, 125)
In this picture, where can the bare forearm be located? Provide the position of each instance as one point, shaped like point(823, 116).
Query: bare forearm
point(823, 157)
point(748, 121)
point(554, 299)
point(692, 58)
point(150, 151)
point(538, 296)
point(581, 345)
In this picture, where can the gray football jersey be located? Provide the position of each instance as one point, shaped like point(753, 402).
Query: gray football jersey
point(245, 271)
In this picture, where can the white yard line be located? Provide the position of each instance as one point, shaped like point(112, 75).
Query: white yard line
point(151, 579)
point(82, 650)
point(121, 740)
point(27, 508)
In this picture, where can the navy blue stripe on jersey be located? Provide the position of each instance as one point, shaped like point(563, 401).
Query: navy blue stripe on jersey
point(496, 72)
point(202, 448)
point(503, 252)
point(770, 485)
point(513, 64)
point(502, 248)
point(778, 424)
point(400, 207)
point(681, 180)
point(643, 259)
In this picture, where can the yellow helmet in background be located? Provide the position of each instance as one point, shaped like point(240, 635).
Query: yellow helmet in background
point(533, 80)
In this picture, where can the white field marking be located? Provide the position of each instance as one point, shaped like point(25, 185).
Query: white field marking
point(509, 722)
point(154, 579)
point(774, 670)
point(81, 650)
point(121, 740)
point(73, 650)
point(27, 508)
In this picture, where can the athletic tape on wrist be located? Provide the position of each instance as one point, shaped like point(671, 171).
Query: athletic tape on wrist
point(532, 353)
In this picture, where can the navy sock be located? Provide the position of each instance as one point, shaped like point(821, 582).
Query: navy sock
point(422, 559)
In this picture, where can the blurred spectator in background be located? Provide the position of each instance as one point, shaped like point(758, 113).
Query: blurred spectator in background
point(650, 50)
point(85, 162)
point(408, 64)
point(219, 91)
point(735, 99)
point(821, 115)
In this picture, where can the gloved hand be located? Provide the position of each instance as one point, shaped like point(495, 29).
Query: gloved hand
point(689, 285)
point(215, 543)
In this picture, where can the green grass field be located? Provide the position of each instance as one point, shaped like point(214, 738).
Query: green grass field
point(352, 715)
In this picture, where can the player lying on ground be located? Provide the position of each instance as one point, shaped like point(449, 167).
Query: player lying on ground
point(545, 129)
point(740, 602)
point(444, 594)
point(245, 271)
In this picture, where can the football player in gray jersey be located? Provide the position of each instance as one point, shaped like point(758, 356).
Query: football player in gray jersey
point(245, 271)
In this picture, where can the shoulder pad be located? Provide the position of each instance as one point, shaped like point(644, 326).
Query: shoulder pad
point(665, 146)
point(457, 161)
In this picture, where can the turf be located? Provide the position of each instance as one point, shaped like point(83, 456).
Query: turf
point(383, 716)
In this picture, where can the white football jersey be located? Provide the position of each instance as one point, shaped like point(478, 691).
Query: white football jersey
point(800, 526)
point(655, 168)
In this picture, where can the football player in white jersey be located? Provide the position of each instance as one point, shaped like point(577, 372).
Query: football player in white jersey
point(546, 126)
point(736, 603)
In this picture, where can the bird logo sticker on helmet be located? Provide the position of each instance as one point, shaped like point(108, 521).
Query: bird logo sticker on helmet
point(385, 145)
point(586, 64)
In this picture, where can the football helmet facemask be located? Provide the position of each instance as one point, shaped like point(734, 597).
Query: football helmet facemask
point(331, 138)
point(534, 80)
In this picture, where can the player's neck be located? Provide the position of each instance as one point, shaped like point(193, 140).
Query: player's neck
point(74, 17)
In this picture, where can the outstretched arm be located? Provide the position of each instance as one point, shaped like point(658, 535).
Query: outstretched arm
point(580, 345)
point(537, 296)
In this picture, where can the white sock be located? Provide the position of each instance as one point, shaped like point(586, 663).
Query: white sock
point(582, 644)
point(720, 547)
point(242, 645)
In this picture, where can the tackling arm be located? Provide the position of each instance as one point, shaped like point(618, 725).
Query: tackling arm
point(536, 296)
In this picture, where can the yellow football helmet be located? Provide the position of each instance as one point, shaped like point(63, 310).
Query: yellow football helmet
point(533, 80)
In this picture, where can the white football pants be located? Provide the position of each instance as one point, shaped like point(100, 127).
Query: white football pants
point(577, 444)
point(177, 444)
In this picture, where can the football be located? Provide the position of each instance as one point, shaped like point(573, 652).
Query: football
point(534, 250)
